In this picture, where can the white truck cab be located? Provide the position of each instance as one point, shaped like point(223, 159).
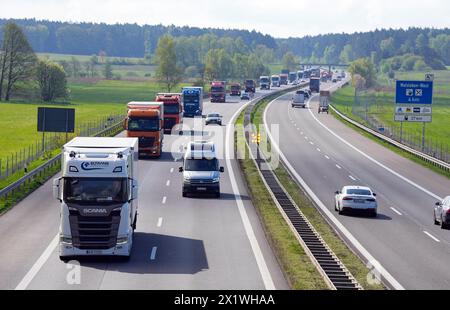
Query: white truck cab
point(98, 193)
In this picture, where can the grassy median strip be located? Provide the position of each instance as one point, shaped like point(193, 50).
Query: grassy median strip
point(353, 263)
point(300, 272)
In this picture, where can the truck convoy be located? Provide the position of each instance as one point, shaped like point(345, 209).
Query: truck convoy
point(173, 110)
point(146, 122)
point(284, 79)
point(264, 82)
point(98, 193)
point(192, 101)
point(235, 89)
point(218, 91)
point(275, 80)
point(250, 86)
point(314, 84)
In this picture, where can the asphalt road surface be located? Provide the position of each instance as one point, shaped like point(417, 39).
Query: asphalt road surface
point(328, 155)
point(180, 243)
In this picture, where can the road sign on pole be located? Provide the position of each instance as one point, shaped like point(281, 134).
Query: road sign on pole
point(414, 101)
point(429, 77)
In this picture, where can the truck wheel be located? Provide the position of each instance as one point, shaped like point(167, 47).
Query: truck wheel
point(65, 259)
point(218, 195)
point(184, 194)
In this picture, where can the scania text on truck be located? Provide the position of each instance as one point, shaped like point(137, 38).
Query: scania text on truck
point(275, 80)
point(235, 89)
point(314, 84)
point(173, 110)
point(284, 79)
point(264, 82)
point(192, 101)
point(218, 91)
point(146, 122)
point(98, 193)
point(250, 86)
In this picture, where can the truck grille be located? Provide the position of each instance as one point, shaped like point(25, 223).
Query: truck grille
point(145, 142)
point(99, 233)
point(201, 182)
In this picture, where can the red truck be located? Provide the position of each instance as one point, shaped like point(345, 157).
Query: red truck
point(218, 91)
point(284, 79)
point(235, 89)
point(173, 110)
point(250, 86)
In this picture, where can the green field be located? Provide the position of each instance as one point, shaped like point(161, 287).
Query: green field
point(380, 106)
point(91, 100)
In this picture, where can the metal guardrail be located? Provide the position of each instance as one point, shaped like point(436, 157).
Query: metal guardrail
point(49, 164)
point(430, 159)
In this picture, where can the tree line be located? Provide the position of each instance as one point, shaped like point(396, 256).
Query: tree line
point(19, 67)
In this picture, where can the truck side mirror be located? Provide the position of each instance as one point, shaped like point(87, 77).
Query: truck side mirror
point(438, 204)
point(180, 169)
point(337, 192)
point(222, 169)
point(57, 189)
point(134, 190)
point(125, 124)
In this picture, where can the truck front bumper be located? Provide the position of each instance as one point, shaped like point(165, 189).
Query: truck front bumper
point(201, 188)
point(67, 250)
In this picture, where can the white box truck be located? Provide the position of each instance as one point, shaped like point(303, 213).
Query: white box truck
point(98, 192)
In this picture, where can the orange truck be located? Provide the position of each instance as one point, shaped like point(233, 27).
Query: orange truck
point(145, 121)
point(173, 110)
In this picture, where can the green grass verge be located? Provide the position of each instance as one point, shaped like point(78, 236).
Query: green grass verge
point(300, 272)
point(353, 263)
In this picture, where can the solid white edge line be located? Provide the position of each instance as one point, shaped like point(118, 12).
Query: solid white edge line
point(370, 259)
point(38, 265)
point(396, 211)
point(262, 265)
point(431, 236)
point(153, 254)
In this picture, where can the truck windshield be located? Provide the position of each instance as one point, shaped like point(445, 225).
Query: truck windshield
point(264, 80)
point(95, 190)
point(201, 164)
point(275, 79)
point(171, 109)
point(191, 98)
point(217, 89)
point(143, 124)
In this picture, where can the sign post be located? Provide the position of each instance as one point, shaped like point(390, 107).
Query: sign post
point(414, 100)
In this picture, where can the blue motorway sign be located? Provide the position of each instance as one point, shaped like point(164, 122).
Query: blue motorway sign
point(414, 92)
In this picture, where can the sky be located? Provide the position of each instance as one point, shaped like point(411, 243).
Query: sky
point(281, 19)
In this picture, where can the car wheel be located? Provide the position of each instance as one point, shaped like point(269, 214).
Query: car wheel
point(443, 225)
point(218, 195)
point(185, 194)
point(374, 214)
point(65, 259)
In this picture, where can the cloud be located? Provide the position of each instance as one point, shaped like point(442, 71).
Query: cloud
point(278, 18)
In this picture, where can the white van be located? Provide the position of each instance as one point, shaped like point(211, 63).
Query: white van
point(299, 99)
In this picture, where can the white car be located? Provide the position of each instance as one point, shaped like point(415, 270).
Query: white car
point(213, 118)
point(442, 213)
point(356, 198)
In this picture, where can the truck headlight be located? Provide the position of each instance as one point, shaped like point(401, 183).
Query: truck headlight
point(122, 240)
point(65, 239)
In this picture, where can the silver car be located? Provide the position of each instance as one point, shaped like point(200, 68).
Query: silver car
point(442, 213)
point(213, 118)
point(356, 198)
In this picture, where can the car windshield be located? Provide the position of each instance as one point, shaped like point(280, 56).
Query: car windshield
point(359, 192)
point(95, 190)
point(171, 109)
point(203, 164)
point(143, 124)
point(213, 115)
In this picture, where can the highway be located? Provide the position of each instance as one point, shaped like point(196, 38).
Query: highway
point(328, 155)
point(180, 243)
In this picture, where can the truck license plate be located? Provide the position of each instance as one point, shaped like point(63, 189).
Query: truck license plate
point(94, 252)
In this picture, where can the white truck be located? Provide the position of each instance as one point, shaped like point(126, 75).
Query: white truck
point(98, 192)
